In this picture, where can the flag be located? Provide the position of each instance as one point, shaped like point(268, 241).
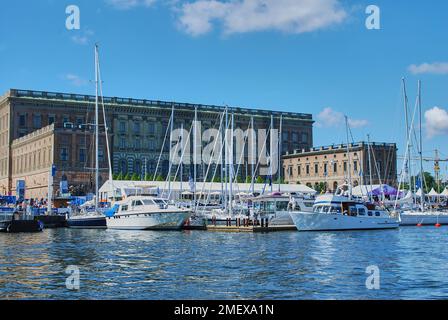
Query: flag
point(53, 170)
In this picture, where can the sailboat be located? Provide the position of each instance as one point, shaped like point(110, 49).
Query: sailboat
point(423, 215)
point(91, 215)
point(342, 212)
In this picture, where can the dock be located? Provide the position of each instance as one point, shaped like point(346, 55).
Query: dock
point(248, 225)
point(250, 228)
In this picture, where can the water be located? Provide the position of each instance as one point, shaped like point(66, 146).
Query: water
point(205, 265)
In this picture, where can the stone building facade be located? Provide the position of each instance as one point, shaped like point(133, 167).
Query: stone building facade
point(329, 165)
point(136, 130)
point(67, 149)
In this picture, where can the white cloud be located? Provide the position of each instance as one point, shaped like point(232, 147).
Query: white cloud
point(75, 80)
point(129, 4)
point(329, 118)
point(434, 68)
point(82, 37)
point(436, 122)
point(239, 16)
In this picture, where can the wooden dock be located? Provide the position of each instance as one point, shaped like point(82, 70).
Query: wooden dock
point(257, 228)
point(248, 225)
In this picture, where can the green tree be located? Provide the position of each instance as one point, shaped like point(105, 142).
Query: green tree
point(160, 178)
point(119, 176)
point(259, 179)
point(135, 177)
point(248, 179)
point(127, 177)
point(217, 179)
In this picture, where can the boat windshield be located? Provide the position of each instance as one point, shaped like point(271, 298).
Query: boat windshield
point(148, 202)
point(331, 209)
point(159, 201)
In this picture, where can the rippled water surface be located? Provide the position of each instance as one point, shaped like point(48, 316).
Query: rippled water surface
point(205, 265)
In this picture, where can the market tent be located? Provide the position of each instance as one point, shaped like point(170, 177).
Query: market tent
point(433, 193)
point(444, 193)
point(376, 190)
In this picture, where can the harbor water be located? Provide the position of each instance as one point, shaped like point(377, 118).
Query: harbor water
point(206, 265)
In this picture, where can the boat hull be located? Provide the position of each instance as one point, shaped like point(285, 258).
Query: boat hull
point(153, 221)
point(94, 222)
point(423, 219)
point(306, 221)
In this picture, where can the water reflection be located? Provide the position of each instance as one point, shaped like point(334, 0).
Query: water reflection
point(118, 264)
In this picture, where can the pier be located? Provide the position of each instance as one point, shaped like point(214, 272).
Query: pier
point(248, 225)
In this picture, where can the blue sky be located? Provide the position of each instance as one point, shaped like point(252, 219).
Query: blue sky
point(292, 55)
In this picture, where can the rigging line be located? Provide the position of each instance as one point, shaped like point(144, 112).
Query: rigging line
point(261, 152)
point(187, 142)
point(209, 163)
point(163, 147)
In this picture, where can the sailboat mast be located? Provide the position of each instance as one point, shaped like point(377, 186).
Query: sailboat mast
point(171, 141)
point(271, 151)
point(96, 130)
point(194, 152)
point(408, 160)
point(370, 167)
point(422, 200)
point(280, 167)
point(181, 162)
point(349, 160)
point(231, 166)
point(252, 151)
point(226, 156)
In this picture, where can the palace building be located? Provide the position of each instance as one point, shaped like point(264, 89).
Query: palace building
point(329, 166)
point(39, 129)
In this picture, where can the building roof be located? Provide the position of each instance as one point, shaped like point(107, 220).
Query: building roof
point(337, 148)
point(144, 103)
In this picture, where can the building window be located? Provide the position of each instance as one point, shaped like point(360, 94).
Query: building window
point(355, 166)
point(137, 127)
point(295, 137)
point(79, 122)
point(22, 120)
point(325, 169)
point(63, 155)
point(152, 144)
point(345, 166)
point(123, 166)
point(289, 171)
point(138, 167)
point(307, 169)
point(316, 168)
point(82, 155)
point(65, 119)
point(122, 143)
point(137, 143)
point(122, 127)
point(151, 128)
point(37, 121)
point(335, 167)
point(299, 170)
point(51, 119)
point(304, 137)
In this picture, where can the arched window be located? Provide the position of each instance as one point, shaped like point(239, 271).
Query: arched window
point(123, 166)
point(335, 186)
point(138, 167)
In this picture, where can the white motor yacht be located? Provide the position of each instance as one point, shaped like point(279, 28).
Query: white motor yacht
point(146, 213)
point(336, 212)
